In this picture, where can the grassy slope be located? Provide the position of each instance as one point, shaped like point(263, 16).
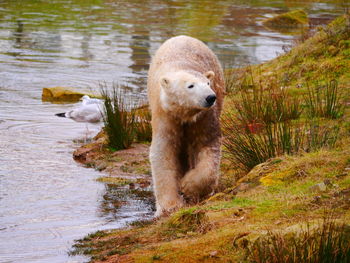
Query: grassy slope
point(276, 195)
point(323, 57)
point(281, 194)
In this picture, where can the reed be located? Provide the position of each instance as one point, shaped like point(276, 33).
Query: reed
point(118, 119)
point(327, 243)
point(143, 127)
point(324, 101)
point(265, 123)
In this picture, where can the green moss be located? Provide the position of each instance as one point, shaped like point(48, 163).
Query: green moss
point(97, 234)
point(296, 210)
point(293, 188)
point(234, 203)
point(287, 22)
point(188, 220)
point(114, 180)
point(242, 202)
point(276, 177)
point(345, 182)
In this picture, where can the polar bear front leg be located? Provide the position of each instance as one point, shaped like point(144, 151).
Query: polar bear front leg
point(203, 178)
point(165, 175)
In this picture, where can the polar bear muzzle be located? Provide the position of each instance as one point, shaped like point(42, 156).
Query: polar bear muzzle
point(210, 100)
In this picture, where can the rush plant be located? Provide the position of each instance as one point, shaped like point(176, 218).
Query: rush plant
point(118, 119)
point(265, 123)
point(143, 128)
point(324, 101)
point(327, 243)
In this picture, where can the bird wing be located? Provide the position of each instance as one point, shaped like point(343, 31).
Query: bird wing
point(87, 101)
point(86, 113)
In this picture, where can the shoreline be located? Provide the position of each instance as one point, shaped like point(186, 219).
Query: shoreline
point(279, 197)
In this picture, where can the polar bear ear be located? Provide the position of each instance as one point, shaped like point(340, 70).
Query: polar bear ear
point(164, 82)
point(209, 75)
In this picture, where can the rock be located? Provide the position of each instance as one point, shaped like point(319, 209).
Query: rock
point(321, 187)
point(287, 22)
point(213, 254)
point(100, 166)
point(84, 153)
point(62, 94)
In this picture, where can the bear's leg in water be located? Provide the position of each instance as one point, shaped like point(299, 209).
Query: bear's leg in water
point(165, 174)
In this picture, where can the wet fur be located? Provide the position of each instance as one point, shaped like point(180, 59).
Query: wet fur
point(185, 151)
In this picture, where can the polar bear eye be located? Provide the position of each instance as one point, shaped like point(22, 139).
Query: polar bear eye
point(190, 86)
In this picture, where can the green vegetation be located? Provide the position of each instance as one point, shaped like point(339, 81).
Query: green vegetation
point(287, 21)
point(280, 196)
point(278, 111)
point(114, 180)
point(123, 123)
point(119, 121)
point(326, 243)
point(324, 101)
point(143, 128)
point(323, 57)
point(266, 122)
point(188, 220)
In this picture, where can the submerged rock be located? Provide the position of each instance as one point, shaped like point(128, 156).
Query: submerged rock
point(287, 22)
point(62, 94)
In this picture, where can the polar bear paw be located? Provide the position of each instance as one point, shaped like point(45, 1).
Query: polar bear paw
point(168, 207)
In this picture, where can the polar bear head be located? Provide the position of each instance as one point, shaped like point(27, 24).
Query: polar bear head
point(187, 90)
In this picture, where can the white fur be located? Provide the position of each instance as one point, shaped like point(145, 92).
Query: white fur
point(180, 62)
point(175, 91)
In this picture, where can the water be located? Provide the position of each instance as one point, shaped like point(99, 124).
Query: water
point(47, 200)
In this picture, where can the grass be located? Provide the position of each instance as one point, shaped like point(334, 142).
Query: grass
point(268, 121)
point(327, 243)
point(247, 148)
point(124, 123)
point(118, 119)
point(188, 220)
point(118, 181)
point(143, 128)
point(324, 101)
point(223, 230)
point(322, 57)
point(257, 105)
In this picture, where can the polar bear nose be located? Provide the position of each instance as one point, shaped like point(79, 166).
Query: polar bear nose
point(210, 100)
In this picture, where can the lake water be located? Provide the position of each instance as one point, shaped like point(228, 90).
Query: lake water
point(46, 199)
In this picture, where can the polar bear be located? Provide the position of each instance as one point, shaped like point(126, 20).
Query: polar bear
point(185, 91)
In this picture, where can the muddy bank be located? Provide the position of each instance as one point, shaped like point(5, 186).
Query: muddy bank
point(129, 167)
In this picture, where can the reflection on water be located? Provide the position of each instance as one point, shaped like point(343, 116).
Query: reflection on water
point(47, 200)
point(121, 202)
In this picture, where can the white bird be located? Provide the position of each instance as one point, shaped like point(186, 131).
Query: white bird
point(89, 111)
point(87, 100)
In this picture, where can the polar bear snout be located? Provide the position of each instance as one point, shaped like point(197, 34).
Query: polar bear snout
point(210, 100)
